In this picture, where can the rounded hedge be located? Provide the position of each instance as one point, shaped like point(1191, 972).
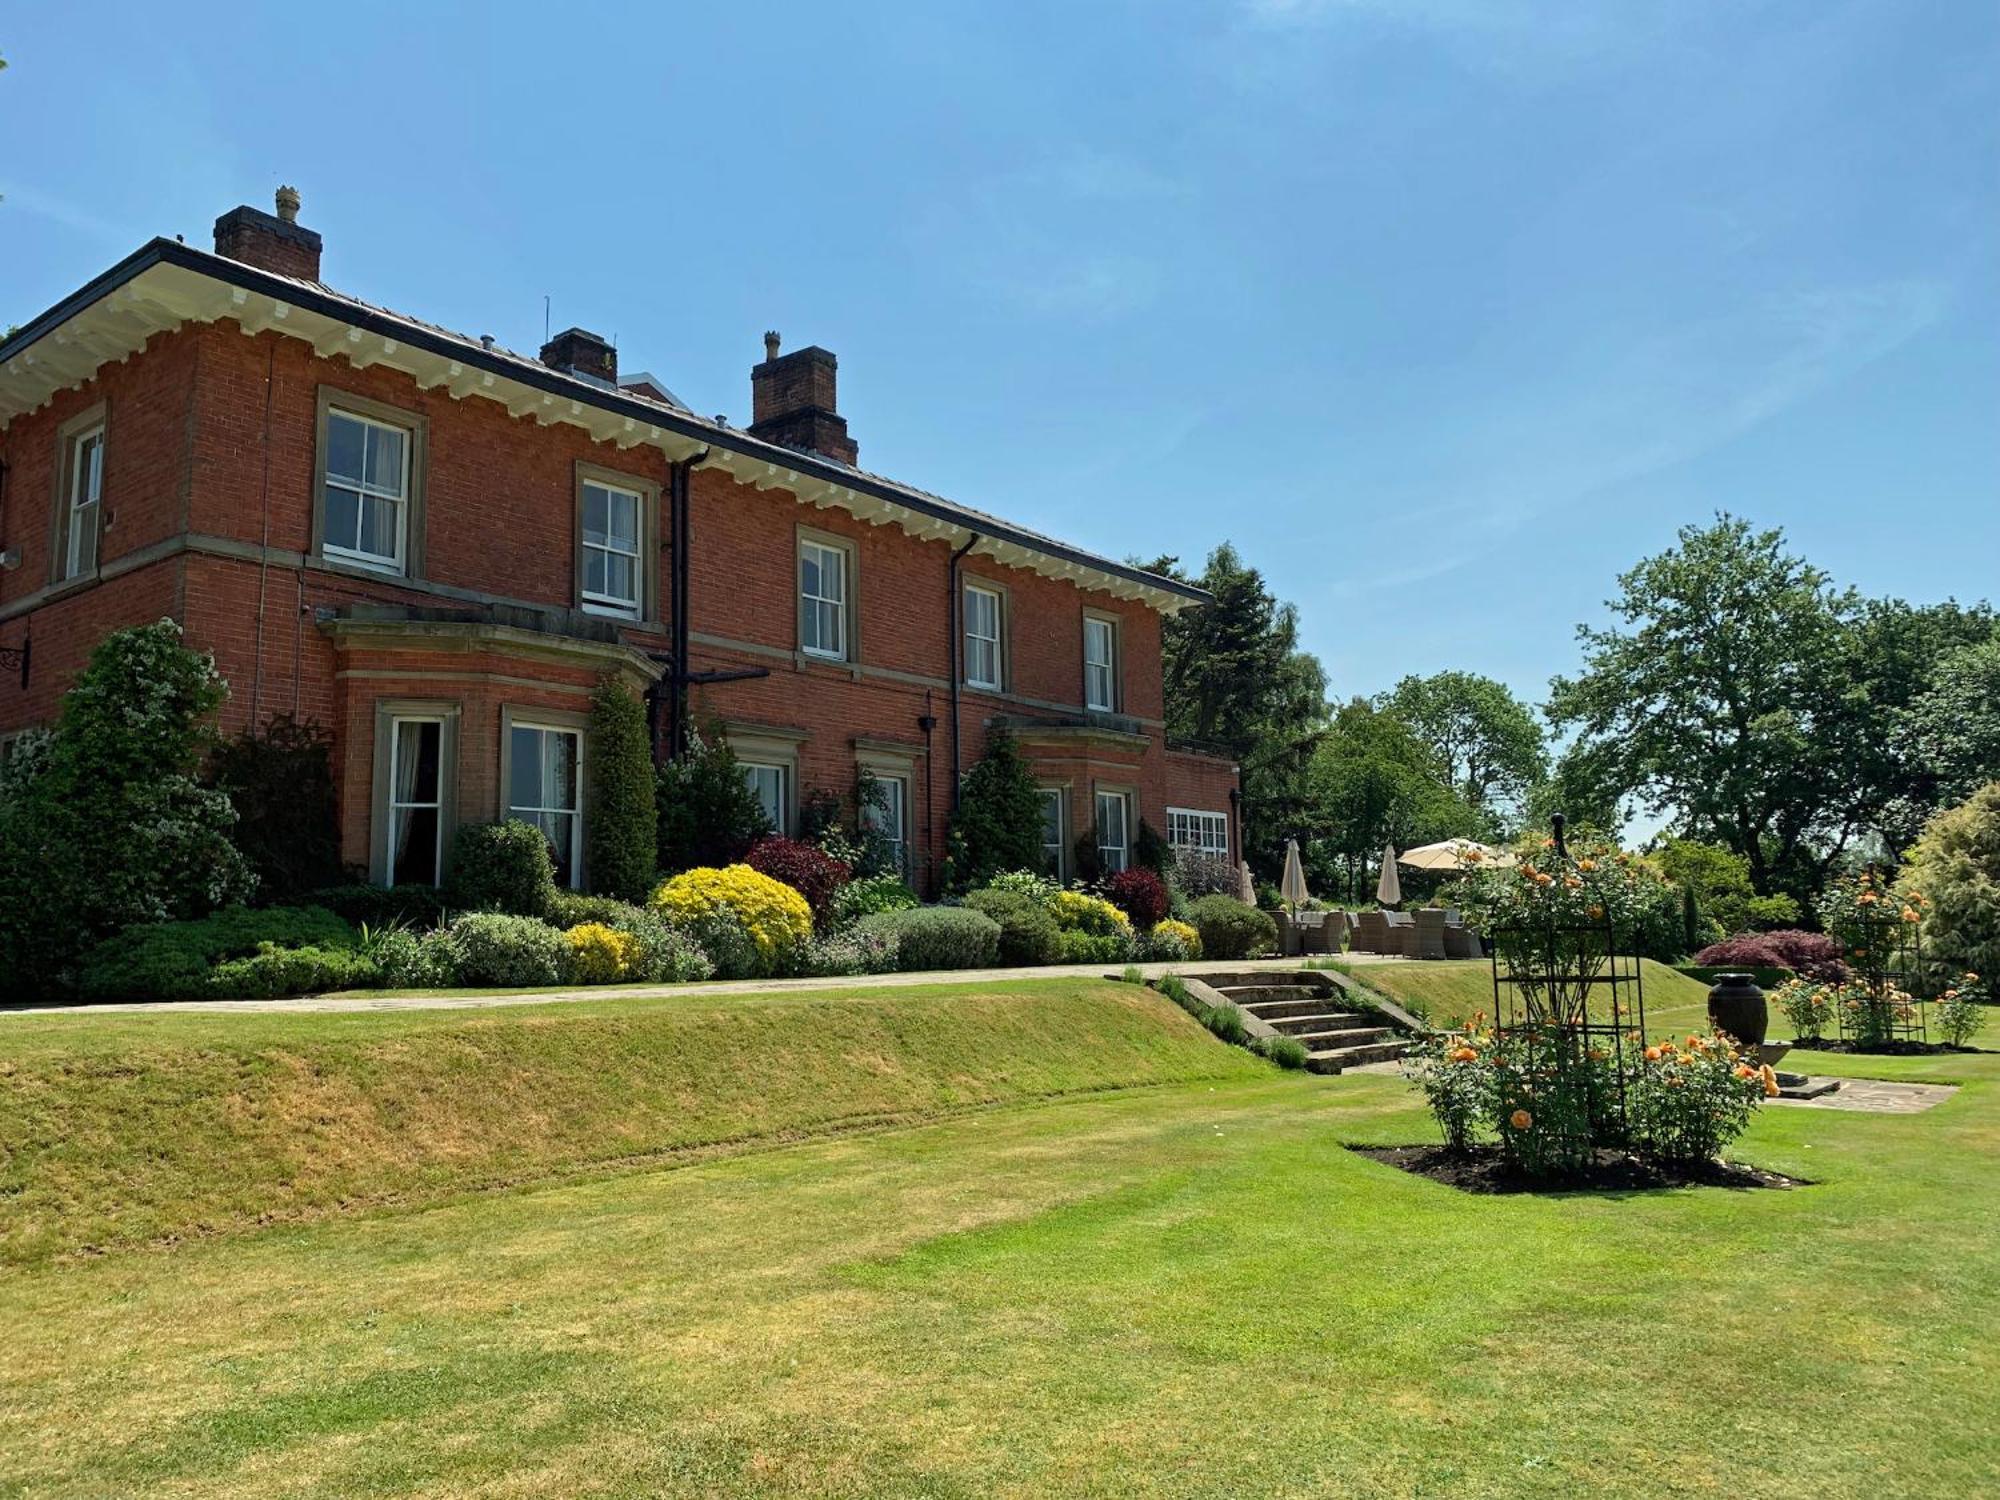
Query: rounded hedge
point(503, 867)
point(1028, 934)
point(505, 951)
point(1231, 929)
point(710, 903)
point(937, 937)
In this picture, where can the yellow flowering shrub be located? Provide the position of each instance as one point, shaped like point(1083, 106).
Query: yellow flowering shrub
point(600, 954)
point(1079, 911)
point(769, 921)
point(1173, 940)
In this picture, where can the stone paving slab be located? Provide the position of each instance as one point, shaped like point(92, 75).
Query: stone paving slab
point(1875, 1096)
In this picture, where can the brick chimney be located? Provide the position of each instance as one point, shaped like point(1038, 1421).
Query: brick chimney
point(576, 351)
point(792, 402)
point(270, 242)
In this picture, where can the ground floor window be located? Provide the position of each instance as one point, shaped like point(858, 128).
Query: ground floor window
point(542, 789)
point(1114, 839)
point(416, 801)
point(888, 815)
point(1055, 831)
point(770, 786)
point(1203, 832)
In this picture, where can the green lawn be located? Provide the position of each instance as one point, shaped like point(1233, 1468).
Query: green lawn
point(1187, 1288)
point(1453, 992)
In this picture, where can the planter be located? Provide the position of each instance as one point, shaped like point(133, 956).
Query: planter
point(1736, 1006)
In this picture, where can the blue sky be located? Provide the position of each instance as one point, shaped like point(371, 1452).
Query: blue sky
point(1443, 311)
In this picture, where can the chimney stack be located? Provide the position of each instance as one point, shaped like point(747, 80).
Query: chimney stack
point(270, 242)
point(792, 402)
point(576, 351)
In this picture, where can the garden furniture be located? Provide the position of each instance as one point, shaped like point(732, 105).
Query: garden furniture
point(1429, 932)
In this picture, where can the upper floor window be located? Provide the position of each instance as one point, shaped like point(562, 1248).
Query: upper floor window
point(1203, 832)
point(824, 595)
point(611, 553)
point(85, 490)
point(1100, 664)
point(982, 637)
point(369, 486)
point(367, 494)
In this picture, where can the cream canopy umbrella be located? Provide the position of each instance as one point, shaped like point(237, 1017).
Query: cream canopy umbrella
point(1293, 884)
point(1389, 889)
point(1454, 854)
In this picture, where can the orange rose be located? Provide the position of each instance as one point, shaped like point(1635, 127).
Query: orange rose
point(1652, 1054)
point(1520, 1119)
point(1586, 865)
point(1770, 1082)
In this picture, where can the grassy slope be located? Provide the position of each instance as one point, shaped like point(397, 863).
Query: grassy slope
point(1183, 1291)
point(136, 1127)
point(1451, 992)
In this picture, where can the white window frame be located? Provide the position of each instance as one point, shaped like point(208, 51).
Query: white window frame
point(436, 804)
point(84, 500)
point(783, 774)
point(990, 598)
point(1123, 849)
point(399, 563)
point(513, 726)
point(607, 603)
point(821, 606)
point(1199, 830)
point(1058, 852)
point(1108, 703)
point(896, 792)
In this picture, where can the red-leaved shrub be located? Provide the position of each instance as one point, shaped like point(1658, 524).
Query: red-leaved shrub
point(1140, 894)
point(1814, 954)
point(812, 872)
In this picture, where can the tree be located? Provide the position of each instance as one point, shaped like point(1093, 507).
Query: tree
point(1948, 736)
point(111, 828)
point(1237, 682)
point(1956, 867)
point(998, 824)
point(1373, 782)
point(1487, 745)
point(708, 815)
point(280, 782)
point(620, 825)
point(1731, 702)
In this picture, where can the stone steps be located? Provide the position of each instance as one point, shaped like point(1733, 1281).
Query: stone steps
point(1326, 1020)
point(1335, 1059)
point(1307, 1008)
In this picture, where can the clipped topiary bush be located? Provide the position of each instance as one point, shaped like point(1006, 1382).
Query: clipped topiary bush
point(621, 821)
point(503, 867)
point(175, 960)
point(1140, 894)
point(711, 903)
point(1231, 929)
point(505, 951)
point(810, 871)
point(937, 937)
point(1028, 934)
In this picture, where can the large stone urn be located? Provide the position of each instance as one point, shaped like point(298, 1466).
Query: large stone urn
point(1736, 1006)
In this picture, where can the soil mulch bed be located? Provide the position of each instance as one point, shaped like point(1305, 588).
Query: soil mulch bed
point(1482, 1169)
point(1889, 1049)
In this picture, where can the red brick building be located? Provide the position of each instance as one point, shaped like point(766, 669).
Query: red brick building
point(434, 546)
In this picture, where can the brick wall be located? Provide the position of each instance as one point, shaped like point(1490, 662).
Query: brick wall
point(212, 433)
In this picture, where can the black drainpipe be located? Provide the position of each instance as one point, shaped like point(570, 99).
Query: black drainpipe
point(957, 648)
point(677, 684)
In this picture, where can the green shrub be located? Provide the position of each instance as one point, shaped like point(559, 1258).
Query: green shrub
point(1226, 1021)
point(1171, 942)
point(573, 908)
point(272, 972)
point(708, 903)
point(414, 961)
point(855, 952)
point(1075, 946)
point(707, 815)
point(174, 960)
point(1955, 866)
point(1028, 934)
point(281, 784)
point(503, 951)
point(420, 906)
point(666, 955)
point(937, 937)
point(1286, 1051)
point(502, 867)
point(998, 824)
point(621, 819)
point(869, 895)
point(1230, 929)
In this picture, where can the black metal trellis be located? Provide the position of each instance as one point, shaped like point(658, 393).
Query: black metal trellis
point(1887, 960)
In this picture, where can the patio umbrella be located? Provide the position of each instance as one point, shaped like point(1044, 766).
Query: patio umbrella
point(1293, 886)
point(1451, 855)
point(1246, 888)
point(1389, 890)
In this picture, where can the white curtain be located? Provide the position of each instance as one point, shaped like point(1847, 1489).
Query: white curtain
point(409, 765)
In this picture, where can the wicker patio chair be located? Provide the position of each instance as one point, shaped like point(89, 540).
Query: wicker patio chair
point(1429, 932)
point(1460, 941)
